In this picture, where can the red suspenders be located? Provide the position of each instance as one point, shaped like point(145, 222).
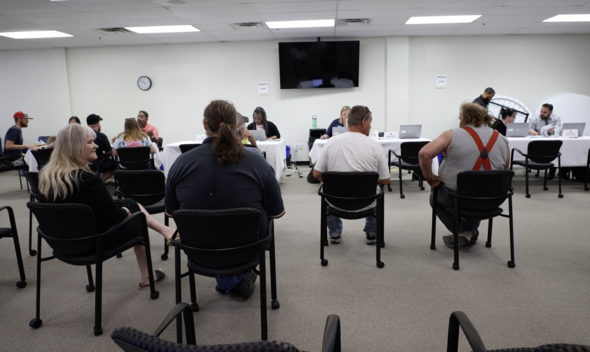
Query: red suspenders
point(484, 151)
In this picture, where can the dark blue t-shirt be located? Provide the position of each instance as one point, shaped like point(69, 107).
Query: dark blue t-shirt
point(335, 123)
point(16, 135)
point(198, 181)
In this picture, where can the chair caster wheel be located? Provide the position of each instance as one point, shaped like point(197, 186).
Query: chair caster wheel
point(275, 305)
point(455, 266)
point(561, 196)
point(97, 331)
point(432, 246)
point(35, 323)
point(383, 245)
point(545, 188)
point(586, 188)
point(164, 256)
point(155, 295)
point(90, 288)
point(119, 255)
point(21, 284)
point(511, 264)
point(402, 196)
point(422, 188)
point(380, 265)
point(488, 245)
point(324, 262)
point(33, 252)
point(528, 195)
point(195, 307)
point(389, 189)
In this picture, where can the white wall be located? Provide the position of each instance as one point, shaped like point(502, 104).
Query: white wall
point(187, 77)
point(35, 82)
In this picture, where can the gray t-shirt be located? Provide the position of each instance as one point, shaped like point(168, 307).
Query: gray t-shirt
point(463, 154)
point(353, 152)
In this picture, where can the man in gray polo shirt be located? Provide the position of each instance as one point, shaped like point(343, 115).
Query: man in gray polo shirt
point(545, 123)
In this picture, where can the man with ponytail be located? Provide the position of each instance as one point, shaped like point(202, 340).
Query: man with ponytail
point(220, 174)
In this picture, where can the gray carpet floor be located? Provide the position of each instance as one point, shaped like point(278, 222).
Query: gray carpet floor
point(403, 307)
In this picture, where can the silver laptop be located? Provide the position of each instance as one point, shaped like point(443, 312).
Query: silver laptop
point(574, 126)
point(517, 129)
point(410, 131)
point(259, 135)
point(338, 130)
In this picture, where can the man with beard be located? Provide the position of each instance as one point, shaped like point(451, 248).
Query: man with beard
point(545, 124)
point(13, 141)
point(485, 98)
point(145, 127)
point(104, 150)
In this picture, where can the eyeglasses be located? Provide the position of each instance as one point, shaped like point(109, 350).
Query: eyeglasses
point(366, 112)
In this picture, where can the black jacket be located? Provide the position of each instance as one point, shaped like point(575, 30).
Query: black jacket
point(272, 129)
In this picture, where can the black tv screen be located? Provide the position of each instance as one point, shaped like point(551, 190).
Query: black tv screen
point(319, 64)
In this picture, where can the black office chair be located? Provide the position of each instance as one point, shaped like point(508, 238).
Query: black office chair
point(69, 229)
point(224, 243)
point(479, 196)
point(4, 167)
point(42, 156)
point(350, 191)
point(160, 142)
point(587, 169)
point(186, 147)
point(460, 320)
point(146, 187)
point(33, 180)
point(131, 340)
point(135, 158)
point(539, 156)
point(12, 232)
point(408, 160)
point(251, 146)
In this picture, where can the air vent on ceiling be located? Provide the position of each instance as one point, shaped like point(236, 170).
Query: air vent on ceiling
point(247, 25)
point(353, 22)
point(112, 30)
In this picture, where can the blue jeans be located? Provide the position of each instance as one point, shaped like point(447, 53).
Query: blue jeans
point(228, 283)
point(335, 225)
point(444, 201)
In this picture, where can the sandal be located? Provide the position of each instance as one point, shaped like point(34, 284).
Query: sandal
point(160, 276)
point(169, 241)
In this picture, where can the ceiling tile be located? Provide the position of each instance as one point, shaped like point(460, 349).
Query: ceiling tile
point(244, 38)
point(297, 16)
point(240, 33)
point(371, 28)
point(295, 7)
point(375, 34)
point(511, 18)
point(215, 11)
point(15, 44)
point(486, 31)
point(546, 30)
point(156, 12)
point(490, 24)
point(79, 24)
point(425, 33)
point(51, 17)
point(461, 3)
point(13, 7)
point(188, 40)
point(544, 2)
point(140, 22)
point(377, 5)
point(540, 10)
point(389, 21)
point(426, 27)
point(107, 5)
point(310, 31)
point(211, 26)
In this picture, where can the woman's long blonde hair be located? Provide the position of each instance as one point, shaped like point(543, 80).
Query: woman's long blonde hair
point(344, 108)
point(132, 131)
point(56, 178)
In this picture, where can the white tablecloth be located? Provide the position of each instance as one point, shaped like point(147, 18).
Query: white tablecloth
point(387, 144)
point(574, 151)
point(275, 155)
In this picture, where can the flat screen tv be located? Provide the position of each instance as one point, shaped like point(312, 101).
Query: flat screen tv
point(319, 64)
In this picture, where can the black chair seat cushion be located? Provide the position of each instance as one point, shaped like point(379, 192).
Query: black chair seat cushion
point(405, 165)
point(5, 231)
point(533, 165)
point(350, 215)
point(558, 347)
point(151, 343)
point(235, 270)
point(478, 214)
point(156, 208)
point(89, 257)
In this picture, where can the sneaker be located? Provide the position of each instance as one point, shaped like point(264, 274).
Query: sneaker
point(246, 287)
point(220, 290)
point(335, 240)
point(448, 241)
point(371, 239)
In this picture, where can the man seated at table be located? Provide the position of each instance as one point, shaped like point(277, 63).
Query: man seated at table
point(484, 99)
point(507, 116)
point(13, 141)
point(104, 151)
point(461, 151)
point(150, 130)
point(545, 123)
point(354, 152)
point(220, 174)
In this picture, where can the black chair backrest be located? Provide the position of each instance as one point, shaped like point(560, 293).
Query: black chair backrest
point(317, 133)
point(218, 229)
point(42, 156)
point(350, 185)
point(63, 224)
point(186, 147)
point(483, 183)
point(135, 158)
point(146, 187)
point(1, 147)
point(410, 150)
point(160, 142)
point(33, 179)
point(536, 150)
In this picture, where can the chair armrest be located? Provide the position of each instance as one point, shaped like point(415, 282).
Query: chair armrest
point(332, 334)
point(519, 152)
point(116, 228)
point(460, 319)
point(10, 216)
point(188, 322)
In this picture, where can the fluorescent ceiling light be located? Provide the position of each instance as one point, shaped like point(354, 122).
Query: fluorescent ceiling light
point(35, 34)
point(300, 24)
point(569, 18)
point(442, 19)
point(162, 29)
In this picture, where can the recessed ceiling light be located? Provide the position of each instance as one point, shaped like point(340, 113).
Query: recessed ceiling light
point(162, 29)
point(569, 18)
point(35, 34)
point(300, 24)
point(442, 19)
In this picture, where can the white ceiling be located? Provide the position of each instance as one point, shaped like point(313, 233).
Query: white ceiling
point(82, 18)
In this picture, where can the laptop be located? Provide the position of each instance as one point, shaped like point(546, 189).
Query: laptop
point(517, 129)
point(574, 126)
point(259, 135)
point(410, 131)
point(338, 130)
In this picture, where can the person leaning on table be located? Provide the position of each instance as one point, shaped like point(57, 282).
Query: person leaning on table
point(339, 122)
point(261, 123)
point(546, 117)
point(507, 116)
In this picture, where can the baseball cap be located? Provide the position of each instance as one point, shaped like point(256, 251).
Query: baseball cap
point(93, 119)
point(22, 115)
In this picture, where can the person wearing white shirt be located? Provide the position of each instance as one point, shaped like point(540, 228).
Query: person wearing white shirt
point(546, 118)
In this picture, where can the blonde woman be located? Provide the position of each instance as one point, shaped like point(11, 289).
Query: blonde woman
point(132, 137)
point(67, 179)
point(339, 122)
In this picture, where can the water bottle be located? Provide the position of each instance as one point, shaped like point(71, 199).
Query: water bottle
point(314, 122)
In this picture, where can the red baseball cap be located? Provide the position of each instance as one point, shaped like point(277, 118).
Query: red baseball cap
point(22, 115)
